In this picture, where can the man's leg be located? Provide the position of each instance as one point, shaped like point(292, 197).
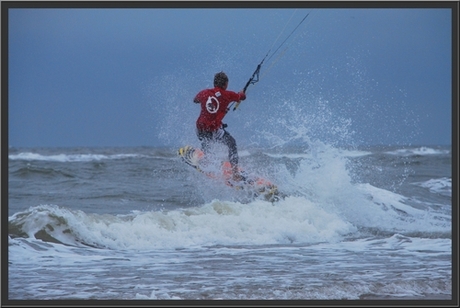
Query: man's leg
point(205, 138)
point(230, 142)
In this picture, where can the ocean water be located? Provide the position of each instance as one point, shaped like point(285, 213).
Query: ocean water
point(137, 224)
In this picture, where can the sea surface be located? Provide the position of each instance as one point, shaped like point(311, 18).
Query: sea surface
point(137, 224)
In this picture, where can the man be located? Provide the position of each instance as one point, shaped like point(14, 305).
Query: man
point(209, 127)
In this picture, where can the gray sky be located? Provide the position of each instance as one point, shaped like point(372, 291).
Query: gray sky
point(127, 77)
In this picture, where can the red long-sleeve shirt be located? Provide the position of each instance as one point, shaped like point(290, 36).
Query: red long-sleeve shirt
point(214, 103)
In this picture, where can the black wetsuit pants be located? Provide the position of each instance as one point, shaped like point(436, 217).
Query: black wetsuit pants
point(221, 136)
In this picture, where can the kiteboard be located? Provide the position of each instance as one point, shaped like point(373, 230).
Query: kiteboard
point(258, 186)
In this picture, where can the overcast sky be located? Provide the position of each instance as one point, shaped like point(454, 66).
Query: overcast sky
point(127, 77)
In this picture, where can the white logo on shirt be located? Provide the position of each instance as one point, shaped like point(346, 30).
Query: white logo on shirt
point(212, 104)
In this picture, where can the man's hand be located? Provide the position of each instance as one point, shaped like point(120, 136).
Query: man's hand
point(242, 95)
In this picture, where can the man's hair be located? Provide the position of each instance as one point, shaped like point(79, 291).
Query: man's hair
point(220, 79)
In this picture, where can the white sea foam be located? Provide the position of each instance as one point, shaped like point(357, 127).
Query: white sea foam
point(418, 151)
point(216, 223)
point(344, 153)
point(68, 157)
point(441, 186)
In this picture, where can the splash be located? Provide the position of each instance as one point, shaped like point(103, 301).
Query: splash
point(323, 173)
point(304, 124)
point(172, 108)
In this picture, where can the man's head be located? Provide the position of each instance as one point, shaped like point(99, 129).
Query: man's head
point(221, 80)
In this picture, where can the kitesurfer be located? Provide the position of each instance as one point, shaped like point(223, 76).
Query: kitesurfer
point(209, 127)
